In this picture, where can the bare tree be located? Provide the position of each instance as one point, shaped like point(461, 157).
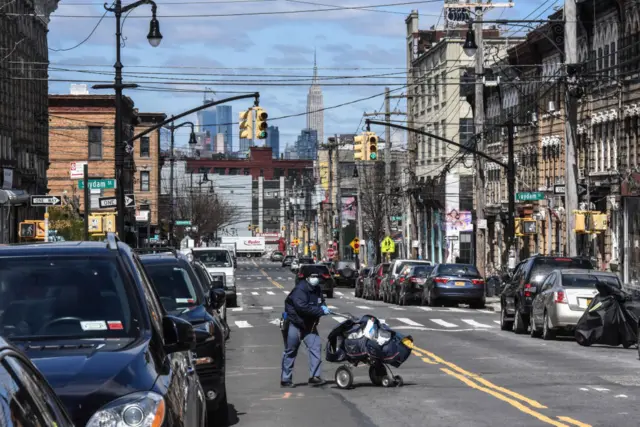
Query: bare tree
point(207, 212)
point(372, 202)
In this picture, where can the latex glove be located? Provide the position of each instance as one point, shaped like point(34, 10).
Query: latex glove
point(326, 310)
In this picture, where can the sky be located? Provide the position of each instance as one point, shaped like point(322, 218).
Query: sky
point(243, 46)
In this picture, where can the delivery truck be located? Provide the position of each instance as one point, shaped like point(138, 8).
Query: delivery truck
point(247, 246)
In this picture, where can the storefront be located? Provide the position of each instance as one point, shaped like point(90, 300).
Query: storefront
point(630, 191)
point(14, 207)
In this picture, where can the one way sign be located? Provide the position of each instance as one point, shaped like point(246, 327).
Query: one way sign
point(46, 201)
point(107, 202)
point(129, 201)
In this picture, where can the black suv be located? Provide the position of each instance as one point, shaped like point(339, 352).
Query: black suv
point(182, 294)
point(326, 281)
point(89, 318)
point(518, 295)
point(346, 274)
point(29, 398)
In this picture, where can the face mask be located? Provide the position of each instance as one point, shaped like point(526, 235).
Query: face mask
point(313, 281)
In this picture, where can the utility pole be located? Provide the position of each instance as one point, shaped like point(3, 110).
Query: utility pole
point(338, 204)
point(511, 191)
point(87, 202)
point(570, 168)
point(478, 114)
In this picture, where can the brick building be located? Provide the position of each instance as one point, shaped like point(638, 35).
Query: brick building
point(146, 155)
point(23, 109)
point(260, 163)
point(81, 129)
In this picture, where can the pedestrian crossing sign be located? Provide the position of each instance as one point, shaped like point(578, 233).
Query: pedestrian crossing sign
point(388, 245)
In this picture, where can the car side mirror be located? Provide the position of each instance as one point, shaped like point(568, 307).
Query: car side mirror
point(235, 263)
point(178, 335)
point(217, 298)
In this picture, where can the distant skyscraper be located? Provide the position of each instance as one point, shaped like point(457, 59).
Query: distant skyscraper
point(218, 146)
point(315, 104)
point(244, 146)
point(224, 115)
point(273, 140)
point(307, 144)
point(206, 122)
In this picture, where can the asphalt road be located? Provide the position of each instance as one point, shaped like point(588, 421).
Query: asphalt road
point(465, 371)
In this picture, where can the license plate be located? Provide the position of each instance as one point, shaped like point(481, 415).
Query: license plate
point(460, 283)
point(588, 302)
point(584, 302)
point(421, 281)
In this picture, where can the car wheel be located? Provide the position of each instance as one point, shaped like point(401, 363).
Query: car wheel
point(220, 415)
point(519, 327)
point(431, 302)
point(547, 332)
point(535, 332)
point(505, 325)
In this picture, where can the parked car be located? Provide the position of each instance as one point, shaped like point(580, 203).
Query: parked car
point(295, 265)
point(287, 260)
point(276, 256)
point(373, 289)
point(326, 281)
point(208, 283)
point(182, 294)
point(88, 317)
point(388, 285)
point(519, 293)
point(346, 274)
point(359, 289)
point(410, 283)
point(29, 398)
point(564, 295)
point(454, 283)
point(220, 261)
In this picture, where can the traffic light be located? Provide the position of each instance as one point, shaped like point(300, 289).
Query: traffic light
point(526, 226)
point(261, 123)
point(246, 124)
point(359, 147)
point(372, 149)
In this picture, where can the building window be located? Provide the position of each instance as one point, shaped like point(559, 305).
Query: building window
point(144, 181)
point(144, 146)
point(465, 132)
point(95, 142)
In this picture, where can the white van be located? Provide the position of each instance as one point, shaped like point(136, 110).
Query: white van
point(219, 262)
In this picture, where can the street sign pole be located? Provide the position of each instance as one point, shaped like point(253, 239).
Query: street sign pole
point(87, 200)
point(46, 223)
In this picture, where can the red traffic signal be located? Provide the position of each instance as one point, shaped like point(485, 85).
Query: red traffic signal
point(356, 246)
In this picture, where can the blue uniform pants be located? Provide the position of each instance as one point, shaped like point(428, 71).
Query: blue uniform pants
point(312, 340)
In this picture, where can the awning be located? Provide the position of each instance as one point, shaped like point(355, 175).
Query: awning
point(13, 197)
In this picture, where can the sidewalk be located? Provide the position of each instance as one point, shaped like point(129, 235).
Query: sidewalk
point(493, 303)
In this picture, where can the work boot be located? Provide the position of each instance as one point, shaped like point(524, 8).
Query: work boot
point(287, 384)
point(316, 381)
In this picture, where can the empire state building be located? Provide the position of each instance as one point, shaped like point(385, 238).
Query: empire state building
point(315, 104)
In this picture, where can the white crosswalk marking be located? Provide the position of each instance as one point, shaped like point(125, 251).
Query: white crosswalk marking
point(363, 307)
point(236, 309)
point(457, 310)
point(270, 293)
point(485, 311)
point(267, 308)
point(243, 324)
point(444, 323)
point(353, 293)
point(408, 321)
point(496, 321)
point(475, 324)
point(398, 308)
point(426, 308)
point(285, 292)
point(339, 293)
point(254, 293)
point(331, 307)
point(383, 321)
point(339, 319)
point(238, 293)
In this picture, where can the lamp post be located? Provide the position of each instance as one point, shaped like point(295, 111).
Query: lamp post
point(154, 38)
point(192, 142)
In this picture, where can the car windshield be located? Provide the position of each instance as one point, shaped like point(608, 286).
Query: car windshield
point(588, 280)
point(543, 266)
point(421, 270)
point(289, 257)
point(402, 265)
point(174, 285)
point(65, 297)
point(306, 261)
point(458, 270)
point(308, 270)
point(213, 258)
point(385, 268)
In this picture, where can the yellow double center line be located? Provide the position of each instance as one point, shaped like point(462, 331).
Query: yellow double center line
point(264, 273)
point(514, 399)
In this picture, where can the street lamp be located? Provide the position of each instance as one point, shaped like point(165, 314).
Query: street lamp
point(470, 47)
point(154, 38)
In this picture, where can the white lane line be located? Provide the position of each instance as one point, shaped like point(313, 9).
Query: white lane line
point(254, 293)
point(270, 293)
point(363, 307)
point(353, 293)
point(486, 311)
point(457, 310)
point(426, 308)
point(443, 323)
point(496, 321)
point(236, 309)
point(285, 292)
point(397, 308)
point(475, 324)
point(243, 324)
point(408, 321)
point(383, 321)
point(331, 307)
point(339, 319)
point(238, 293)
point(339, 293)
point(267, 308)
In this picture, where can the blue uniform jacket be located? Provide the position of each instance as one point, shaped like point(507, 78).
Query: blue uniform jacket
point(303, 305)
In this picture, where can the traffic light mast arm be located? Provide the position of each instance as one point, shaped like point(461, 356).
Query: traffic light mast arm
point(448, 141)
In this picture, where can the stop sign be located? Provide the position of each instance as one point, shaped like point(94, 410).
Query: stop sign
point(330, 252)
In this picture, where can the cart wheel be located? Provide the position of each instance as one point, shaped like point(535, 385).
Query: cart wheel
point(399, 381)
point(387, 381)
point(344, 377)
point(376, 373)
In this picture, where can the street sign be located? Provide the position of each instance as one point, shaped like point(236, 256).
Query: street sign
point(388, 245)
point(331, 253)
point(295, 242)
point(559, 189)
point(76, 170)
point(98, 184)
point(107, 202)
point(532, 196)
point(129, 201)
point(582, 189)
point(46, 201)
point(183, 222)
point(355, 245)
point(396, 218)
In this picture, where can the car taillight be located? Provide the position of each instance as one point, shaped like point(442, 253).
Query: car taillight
point(477, 281)
point(560, 297)
point(440, 280)
point(326, 276)
point(401, 280)
point(527, 293)
point(300, 276)
point(414, 280)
